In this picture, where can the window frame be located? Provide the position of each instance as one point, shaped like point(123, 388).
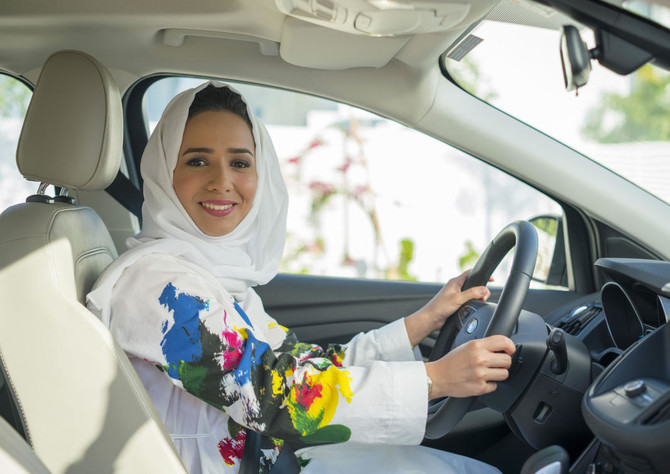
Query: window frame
point(579, 229)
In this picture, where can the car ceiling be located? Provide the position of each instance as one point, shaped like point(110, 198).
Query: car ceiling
point(397, 77)
point(135, 39)
point(201, 37)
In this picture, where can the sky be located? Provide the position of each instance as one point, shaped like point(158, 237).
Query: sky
point(521, 66)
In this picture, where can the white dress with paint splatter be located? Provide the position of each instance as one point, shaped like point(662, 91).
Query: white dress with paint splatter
point(212, 370)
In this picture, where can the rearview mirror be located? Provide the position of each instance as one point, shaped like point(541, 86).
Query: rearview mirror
point(575, 58)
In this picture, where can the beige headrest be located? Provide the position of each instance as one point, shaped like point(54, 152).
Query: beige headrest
point(73, 132)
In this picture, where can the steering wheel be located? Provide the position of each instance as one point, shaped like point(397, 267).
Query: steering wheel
point(444, 414)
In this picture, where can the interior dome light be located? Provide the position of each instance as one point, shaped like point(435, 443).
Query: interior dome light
point(378, 17)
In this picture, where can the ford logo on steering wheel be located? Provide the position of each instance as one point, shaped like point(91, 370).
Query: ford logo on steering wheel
point(472, 325)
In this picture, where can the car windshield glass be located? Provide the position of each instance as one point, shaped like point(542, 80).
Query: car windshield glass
point(622, 122)
point(654, 12)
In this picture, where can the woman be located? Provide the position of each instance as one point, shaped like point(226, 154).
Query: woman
point(217, 367)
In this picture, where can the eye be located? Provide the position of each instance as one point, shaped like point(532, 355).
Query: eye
point(196, 162)
point(241, 164)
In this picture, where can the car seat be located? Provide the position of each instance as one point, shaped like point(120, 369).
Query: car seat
point(69, 389)
point(16, 456)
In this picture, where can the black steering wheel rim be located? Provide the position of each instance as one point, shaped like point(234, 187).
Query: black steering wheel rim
point(443, 415)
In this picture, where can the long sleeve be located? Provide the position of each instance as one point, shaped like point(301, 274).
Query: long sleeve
point(169, 313)
point(388, 343)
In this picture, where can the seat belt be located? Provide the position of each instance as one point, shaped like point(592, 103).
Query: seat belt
point(250, 463)
point(126, 194)
point(286, 463)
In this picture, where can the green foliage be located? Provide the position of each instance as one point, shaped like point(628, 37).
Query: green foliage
point(470, 257)
point(548, 226)
point(406, 256)
point(14, 97)
point(640, 115)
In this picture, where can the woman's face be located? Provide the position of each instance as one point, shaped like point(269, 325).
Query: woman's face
point(215, 178)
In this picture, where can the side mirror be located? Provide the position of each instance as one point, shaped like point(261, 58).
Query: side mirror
point(575, 58)
point(550, 267)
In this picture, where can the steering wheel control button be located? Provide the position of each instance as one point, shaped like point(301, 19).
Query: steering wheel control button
point(517, 360)
point(465, 312)
point(634, 388)
point(472, 326)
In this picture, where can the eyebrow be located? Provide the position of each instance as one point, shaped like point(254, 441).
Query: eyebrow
point(240, 150)
point(197, 150)
point(210, 150)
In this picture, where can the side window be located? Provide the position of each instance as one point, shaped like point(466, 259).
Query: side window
point(371, 198)
point(14, 99)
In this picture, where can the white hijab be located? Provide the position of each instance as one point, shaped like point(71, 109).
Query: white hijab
point(247, 256)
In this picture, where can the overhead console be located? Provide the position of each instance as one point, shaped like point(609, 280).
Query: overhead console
point(378, 17)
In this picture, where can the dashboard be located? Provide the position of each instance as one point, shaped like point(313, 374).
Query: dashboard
point(644, 283)
point(627, 407)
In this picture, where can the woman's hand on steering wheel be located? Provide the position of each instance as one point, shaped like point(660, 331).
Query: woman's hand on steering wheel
point(445, 303)
point(471, 369)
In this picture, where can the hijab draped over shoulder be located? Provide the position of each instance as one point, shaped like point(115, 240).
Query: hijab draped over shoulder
point(247, 256)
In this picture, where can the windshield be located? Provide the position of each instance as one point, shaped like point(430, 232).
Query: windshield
point(622, 122)
point(654, 12)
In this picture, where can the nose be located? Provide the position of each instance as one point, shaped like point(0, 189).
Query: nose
point(219, 179)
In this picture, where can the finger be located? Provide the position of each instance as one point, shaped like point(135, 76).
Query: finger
point(499, 360)
point(489, 387)
point(498, 343)
point(459, 280)
point(486, 295)
point(476, 293)
point(497, 375)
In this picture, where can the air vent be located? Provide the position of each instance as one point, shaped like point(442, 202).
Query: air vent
point(579, 318)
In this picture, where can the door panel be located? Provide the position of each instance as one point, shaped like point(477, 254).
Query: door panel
point(325, 309)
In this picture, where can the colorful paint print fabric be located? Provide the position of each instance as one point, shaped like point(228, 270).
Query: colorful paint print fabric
point(225, 365)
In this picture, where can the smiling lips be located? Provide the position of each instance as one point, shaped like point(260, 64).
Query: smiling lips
point(218, 208)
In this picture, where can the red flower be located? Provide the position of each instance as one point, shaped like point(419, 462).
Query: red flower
point(316, 143)
point(322, 188)
point(345, 166)
point(232, 448)
point(359, 191)
point(306, 393)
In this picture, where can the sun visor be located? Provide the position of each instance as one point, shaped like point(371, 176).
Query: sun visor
point(309, 45)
